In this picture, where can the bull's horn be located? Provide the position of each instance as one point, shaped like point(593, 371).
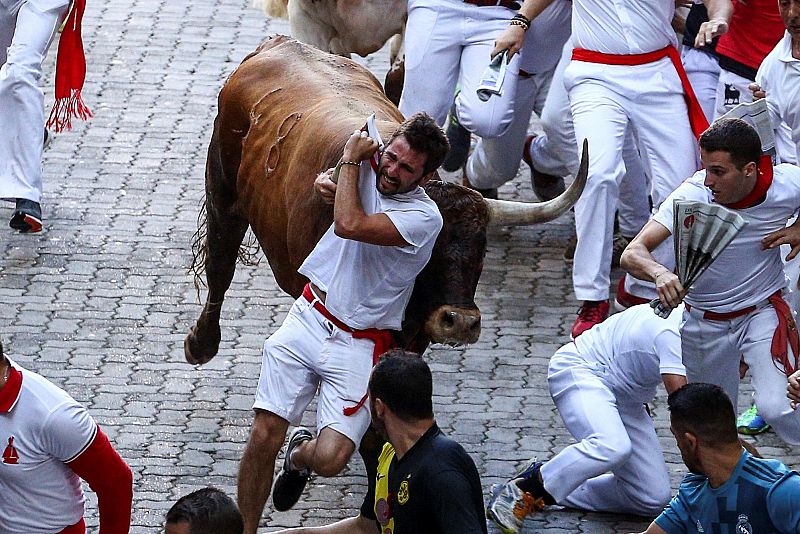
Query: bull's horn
point(509, 213)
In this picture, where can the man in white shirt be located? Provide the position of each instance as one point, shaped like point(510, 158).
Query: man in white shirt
point(625, 72)
point(779, 78)
point(599, 384)
point(49, 443)
point(361, 274)
point(735, 309)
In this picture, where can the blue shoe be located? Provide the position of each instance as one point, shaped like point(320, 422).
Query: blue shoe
point(751, 423)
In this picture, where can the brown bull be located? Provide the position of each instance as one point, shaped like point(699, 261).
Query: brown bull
point(284, 115)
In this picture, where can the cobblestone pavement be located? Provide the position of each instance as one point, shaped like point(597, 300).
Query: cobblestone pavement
point(101, 300)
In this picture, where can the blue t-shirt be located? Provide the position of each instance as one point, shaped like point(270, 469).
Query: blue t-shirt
point(761, 497)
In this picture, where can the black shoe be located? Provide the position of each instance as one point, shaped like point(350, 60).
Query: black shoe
point(459, 138)
point(545, 186)
point(290, 482)
point(47, 138)
point(27, 217)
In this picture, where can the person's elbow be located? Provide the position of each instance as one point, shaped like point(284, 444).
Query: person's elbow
point(628, 259)
point(347, 228)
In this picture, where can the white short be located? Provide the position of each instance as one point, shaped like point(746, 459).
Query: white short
point(307, 353)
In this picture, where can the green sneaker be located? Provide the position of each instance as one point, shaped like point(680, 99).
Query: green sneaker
point(751, 423)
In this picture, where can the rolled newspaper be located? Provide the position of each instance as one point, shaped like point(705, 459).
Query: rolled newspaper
point(492, 79)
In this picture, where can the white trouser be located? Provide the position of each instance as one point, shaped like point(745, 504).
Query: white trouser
point(607, 100)
point(711, 352)
point(450, 41)
point(732, 90)
point(25, 36)
point(617, 464)
point(494, 160)
point(702, 69)
point(554, 152)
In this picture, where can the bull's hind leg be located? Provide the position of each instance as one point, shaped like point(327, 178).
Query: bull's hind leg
point(225, 230)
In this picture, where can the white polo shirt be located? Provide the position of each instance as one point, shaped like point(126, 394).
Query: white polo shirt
point(744, 274)
point(779, 76)
point(41, 428)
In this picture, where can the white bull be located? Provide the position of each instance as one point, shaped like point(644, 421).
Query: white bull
point(343, 26)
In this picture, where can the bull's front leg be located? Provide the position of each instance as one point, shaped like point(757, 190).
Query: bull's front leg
point(223, 239)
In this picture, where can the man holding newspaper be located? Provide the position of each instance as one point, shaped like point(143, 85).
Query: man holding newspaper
point(736, 307)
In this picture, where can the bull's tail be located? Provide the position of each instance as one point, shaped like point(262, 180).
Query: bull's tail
point(199, 250)
point(248, 255)
point(273, 8)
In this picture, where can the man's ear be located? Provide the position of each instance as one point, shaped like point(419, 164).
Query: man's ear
point(428, 177)
point(691, 440)
point(750, 169)
point(379, 406)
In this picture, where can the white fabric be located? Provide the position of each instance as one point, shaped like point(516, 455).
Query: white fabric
point(732, 90)
point(27, 28)
point(779, 76)
point(449, 42)
point(702, 69)
point(744, 274)
point(491, 163)
point(368, 286)
point(711, 353)
point(606, 101)
point(309, 352)
point(40, 494)
point(623, 27)
point(554, 152)
point(599, 384)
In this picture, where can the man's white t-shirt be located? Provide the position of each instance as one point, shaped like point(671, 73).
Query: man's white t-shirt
point(744, 274)
point(39, 493)
point(369, 286)
point(633, 349)
point(779, 76)
point(623, 27)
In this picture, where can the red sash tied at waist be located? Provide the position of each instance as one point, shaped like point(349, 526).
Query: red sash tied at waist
point(77, 528)
point(697, 119)
point(785, 335)
point(383, 339)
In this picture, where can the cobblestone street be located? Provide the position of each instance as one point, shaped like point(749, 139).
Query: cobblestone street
point(101, 300)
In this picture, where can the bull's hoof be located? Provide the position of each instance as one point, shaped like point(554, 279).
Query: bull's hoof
point(195, 352)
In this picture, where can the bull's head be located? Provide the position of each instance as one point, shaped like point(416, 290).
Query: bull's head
point(442, 307)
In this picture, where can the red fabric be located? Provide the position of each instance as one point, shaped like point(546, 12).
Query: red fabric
point(754, 30)
point(785, 336)
point(724, 316)
point(77, 528)
point(110, 478)
point(10, 392)
point(70, 72)
point(697, 119)
point(383, 339)
point(763, 182)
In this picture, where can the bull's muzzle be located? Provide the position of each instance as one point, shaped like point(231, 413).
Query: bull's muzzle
point(452, 325)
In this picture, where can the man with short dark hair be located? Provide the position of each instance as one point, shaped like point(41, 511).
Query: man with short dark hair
point(727, 489)
point(361, 275)
point(736, 307)
point(205, 511)
point(426, 483)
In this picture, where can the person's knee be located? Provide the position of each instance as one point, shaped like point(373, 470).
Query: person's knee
point(332, 463)
point(652, 500)
point(267, 432)
point(613, 449)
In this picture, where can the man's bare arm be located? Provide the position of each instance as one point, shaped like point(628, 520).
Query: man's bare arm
point(351, 525)
point(719, 15)
point(349, 218)
point(673, 382)
point(638, 261)
point(654, 529)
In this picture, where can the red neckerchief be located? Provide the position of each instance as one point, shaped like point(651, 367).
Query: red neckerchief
point(763, 181)
point(10, 392)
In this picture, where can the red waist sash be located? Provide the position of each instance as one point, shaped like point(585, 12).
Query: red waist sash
point(77, 528)
point(383, 339)
point(785, 335)
point(697, 119)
